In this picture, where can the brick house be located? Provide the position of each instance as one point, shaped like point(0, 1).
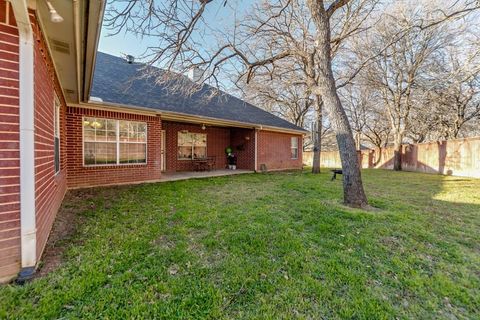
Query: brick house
point(71, 117)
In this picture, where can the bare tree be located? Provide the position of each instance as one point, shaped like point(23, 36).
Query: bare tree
point(320, 81)
point(368, 118)
point(405, 63)
point(398, 68)
point(297, 71)
point(377, 130)
point(358, 102)
point(457, 96)
point(280, 93)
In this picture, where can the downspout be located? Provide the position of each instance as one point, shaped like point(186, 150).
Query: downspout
point(27, 139)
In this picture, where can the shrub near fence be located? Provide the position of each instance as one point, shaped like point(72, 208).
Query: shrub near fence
point(460, 157)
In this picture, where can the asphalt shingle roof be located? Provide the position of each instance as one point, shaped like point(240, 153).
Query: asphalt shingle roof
point(118, 82)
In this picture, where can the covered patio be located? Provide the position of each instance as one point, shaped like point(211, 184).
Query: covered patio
point(185, 146)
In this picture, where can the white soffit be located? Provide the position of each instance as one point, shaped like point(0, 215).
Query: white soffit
point(61, 42)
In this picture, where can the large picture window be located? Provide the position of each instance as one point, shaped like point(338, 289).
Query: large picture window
point(294, 147)
point(108, 141)
point(192, 145)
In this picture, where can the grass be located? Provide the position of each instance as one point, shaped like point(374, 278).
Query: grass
point(268, 246)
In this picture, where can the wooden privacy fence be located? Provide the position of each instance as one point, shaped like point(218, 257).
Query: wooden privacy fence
point(460, 157)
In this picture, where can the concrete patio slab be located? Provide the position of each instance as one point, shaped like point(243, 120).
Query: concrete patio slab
point(175, 176)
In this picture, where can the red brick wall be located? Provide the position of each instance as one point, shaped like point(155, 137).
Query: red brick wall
point(274, 151)
point(273, 147)
point(50, 188)
point(218, 139)
point(86, 176)
point(243, 144)
point(9, 145)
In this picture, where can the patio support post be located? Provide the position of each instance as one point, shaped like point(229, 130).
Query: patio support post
point(27, 141)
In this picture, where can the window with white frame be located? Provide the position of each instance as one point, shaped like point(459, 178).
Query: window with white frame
point(191, 145)
point(294, 147)
point(56, 133)
point(107, 141)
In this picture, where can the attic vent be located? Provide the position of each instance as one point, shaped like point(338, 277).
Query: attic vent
point(60, 46)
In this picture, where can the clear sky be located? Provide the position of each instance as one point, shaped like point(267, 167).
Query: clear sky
point(218, 17)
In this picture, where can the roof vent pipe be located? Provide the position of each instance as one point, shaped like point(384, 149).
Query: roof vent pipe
point(130, 59)
point(96, 99)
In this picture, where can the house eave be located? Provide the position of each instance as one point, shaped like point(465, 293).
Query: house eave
point(183, 117)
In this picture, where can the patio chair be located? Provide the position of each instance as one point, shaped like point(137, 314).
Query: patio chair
point(200, 164)
point(211, 163)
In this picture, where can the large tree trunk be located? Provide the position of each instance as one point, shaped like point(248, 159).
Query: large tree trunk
point(397, 152)
point(317, 136)
point(353, 192)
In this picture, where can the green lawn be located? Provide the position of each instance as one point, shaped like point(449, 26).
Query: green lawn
point(265, 246)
